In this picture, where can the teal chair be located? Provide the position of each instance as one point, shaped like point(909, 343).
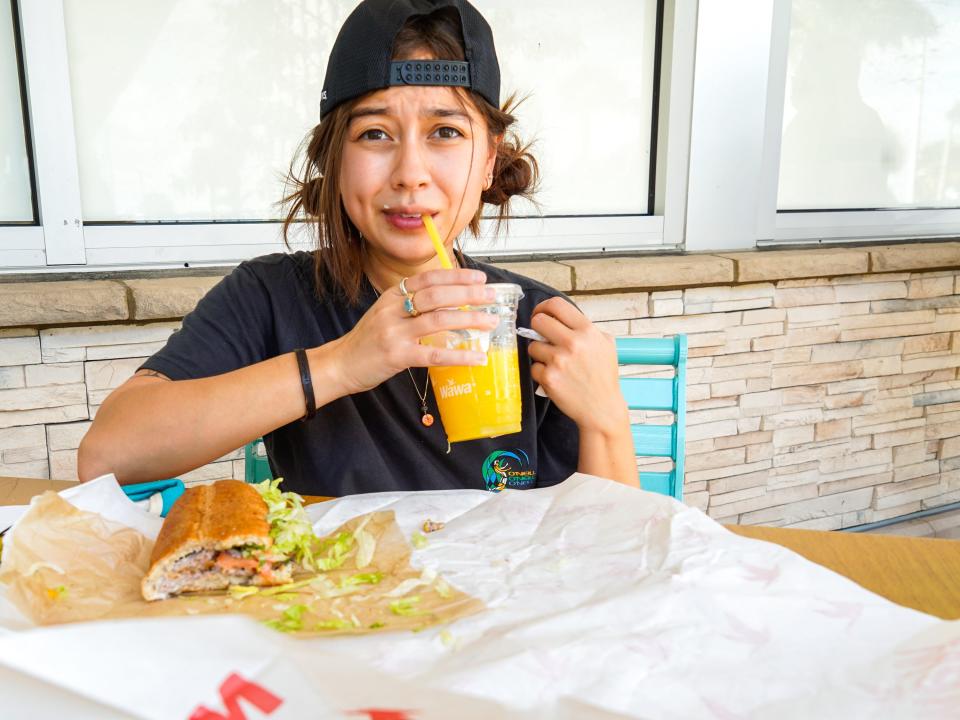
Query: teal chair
point(640, 393)
point(643, 393)
point(256, 466)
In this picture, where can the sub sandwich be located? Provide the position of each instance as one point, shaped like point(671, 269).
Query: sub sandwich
point(229, 533)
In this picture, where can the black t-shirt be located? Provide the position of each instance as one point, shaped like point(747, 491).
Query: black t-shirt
point(371, 441)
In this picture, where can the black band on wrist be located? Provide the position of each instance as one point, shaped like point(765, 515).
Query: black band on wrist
point(307, 382)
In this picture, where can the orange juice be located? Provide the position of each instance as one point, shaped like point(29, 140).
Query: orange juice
point(482, 400)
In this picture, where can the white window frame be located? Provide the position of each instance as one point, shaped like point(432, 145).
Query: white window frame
point(828, 226)
point(62, 242)
point(735, 144)
point(59, 237)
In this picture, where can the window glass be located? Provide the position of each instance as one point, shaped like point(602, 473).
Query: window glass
point(872, 112)
point(588, 79)
point(16, 203)
point(194, 108)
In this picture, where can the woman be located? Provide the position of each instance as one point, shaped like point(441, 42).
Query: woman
point(393, 143)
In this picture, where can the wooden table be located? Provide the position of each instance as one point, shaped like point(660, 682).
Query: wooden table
point(920, 573)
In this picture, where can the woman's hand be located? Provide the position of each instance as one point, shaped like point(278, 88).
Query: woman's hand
point(577, 368)
point(387, 338)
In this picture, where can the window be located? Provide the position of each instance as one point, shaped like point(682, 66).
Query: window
point(168, 127)
point(193, 110)
point(872, 114)
point(16, 196)
point(590, 98)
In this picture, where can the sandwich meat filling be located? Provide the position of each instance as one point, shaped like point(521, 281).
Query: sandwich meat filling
point(241, 565)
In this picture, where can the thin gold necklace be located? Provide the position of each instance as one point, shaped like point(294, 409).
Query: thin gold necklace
point(425, 417)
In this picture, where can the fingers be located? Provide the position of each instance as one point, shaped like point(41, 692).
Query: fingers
point(428, 356)
point(537, 371)
point(440, 320)
point(437, 289)
point(435, 297)
point(563, 311)
point(542, 352)
point(554, 330)
point(430, 278)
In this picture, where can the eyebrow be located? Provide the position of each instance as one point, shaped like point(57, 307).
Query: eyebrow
point(431, 112)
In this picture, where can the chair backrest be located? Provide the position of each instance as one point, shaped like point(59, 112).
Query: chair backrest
point(256, 466)
point(668, 394)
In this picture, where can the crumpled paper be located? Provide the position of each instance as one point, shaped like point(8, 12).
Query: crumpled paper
point(62, 565)
point(602, 602)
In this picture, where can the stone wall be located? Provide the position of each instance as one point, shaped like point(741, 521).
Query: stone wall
point(822, 385)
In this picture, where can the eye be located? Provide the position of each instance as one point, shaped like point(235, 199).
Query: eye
point(448, 133)
point(374, 134)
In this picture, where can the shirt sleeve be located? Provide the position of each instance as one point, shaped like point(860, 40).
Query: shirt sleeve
point(231, 327)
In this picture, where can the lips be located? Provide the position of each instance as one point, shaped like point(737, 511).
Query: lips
point(405, 219)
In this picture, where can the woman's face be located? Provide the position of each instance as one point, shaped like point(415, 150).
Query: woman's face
point(408, 151)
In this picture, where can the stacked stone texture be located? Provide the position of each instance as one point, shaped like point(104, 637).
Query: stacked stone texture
point(820, 402)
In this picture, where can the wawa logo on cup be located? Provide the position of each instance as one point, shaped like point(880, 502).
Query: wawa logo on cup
point(451, 388)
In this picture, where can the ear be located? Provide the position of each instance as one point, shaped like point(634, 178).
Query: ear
point(491, 158)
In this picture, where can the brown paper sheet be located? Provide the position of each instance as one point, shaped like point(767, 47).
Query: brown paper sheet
point(67, 565)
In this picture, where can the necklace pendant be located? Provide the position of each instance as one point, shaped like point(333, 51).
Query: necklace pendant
point(427, 419)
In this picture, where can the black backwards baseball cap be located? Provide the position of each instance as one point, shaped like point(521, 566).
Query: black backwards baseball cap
point(360, 60)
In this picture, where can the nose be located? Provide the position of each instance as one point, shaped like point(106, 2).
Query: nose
point(411, 170)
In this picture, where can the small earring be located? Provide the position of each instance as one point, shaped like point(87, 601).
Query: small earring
point(489, 182)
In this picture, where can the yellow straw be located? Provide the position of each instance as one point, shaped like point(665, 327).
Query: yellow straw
point(437, 242)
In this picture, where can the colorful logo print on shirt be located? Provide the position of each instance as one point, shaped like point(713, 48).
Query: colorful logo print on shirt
point(506, 469)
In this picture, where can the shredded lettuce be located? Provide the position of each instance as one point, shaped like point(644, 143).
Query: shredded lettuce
point(250, 550)
point(419, 540)
point(288, 587)
point(334, 624)
point(443, 589)
point(371, 578)
point(427, 577)
point(404, 587)
point(336, 549)
point(405, 606)
point(290, 621)
point(447, 638)
point(290, 527)
point(239, 592)
point(366, 544)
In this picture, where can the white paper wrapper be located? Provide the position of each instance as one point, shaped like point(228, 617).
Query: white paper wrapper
point(603, 602)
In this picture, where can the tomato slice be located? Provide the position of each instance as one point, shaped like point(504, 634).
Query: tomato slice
point(231, 562)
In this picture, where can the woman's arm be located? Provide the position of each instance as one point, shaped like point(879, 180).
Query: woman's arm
point(609, 453)
point(152, 427)
point(578, 370)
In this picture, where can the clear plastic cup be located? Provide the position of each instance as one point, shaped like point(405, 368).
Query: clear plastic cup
point(482, 401)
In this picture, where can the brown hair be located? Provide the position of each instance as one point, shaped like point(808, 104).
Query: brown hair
point(315, 196)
